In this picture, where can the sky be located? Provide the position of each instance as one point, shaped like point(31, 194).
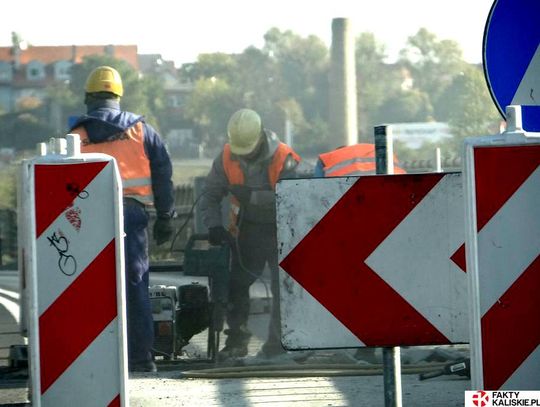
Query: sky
point(180, 30)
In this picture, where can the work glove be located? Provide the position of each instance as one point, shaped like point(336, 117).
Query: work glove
point(163, 230)
point(217, 235)
point(241, 192)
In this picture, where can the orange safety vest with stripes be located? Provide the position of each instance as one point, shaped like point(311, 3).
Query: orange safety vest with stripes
point(235, 176)
point(128, 150)
point(353, 160)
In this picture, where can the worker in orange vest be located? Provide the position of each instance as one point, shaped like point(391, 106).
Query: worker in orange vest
point(248, 167)
point(146, 172)
point(356, 159)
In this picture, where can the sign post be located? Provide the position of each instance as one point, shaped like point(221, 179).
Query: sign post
point(384, 156)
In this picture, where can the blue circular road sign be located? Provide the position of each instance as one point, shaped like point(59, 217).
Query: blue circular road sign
point(511, 53)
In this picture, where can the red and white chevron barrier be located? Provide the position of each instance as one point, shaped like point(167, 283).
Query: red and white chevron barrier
point(75, 287)
point(372, 261)
point(503, 260)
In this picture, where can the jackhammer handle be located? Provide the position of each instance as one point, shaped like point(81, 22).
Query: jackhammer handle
point(430, 375)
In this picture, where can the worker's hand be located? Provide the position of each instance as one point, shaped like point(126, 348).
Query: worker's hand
point(217, 235)
point(241, 192)
point(163, 230)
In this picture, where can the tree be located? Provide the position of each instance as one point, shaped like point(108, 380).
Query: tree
point(285, 80)
point(24, 129)
point(406, 106)
point(210, 106)
point(303, 66)
point(471, 111)
point(433, 63)
point(376, 82)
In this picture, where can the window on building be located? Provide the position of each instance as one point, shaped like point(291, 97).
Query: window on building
point(62, 70)
point(176, 100)
point(35, 71)
point(6, 71)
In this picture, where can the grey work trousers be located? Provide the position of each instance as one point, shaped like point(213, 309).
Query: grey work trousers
point(256, 247)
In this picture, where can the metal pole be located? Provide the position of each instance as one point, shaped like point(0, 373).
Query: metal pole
point(438, 163)
point(384, 159)
point(288, 132)
point(392, 376)
point(384, 150)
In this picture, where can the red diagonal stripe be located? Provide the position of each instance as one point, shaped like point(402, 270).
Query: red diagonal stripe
point(499, 172)
point(511, 328)
point(330, 261)
point(77, 316)
point(115, 402)
point(56, 187)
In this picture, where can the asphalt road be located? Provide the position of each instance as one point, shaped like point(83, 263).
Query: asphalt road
point(321, 378)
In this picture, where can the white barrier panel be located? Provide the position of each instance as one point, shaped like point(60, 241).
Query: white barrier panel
point(503, 253)
point(372, 261)
point(75, 286)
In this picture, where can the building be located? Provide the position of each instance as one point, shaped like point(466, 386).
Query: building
point(26, 72)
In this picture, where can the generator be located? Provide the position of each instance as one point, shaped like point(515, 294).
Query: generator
point(181, 312)
point(164, 309)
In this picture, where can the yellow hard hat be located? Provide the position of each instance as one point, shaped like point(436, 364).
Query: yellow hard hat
point(244, 131)
point(104, 79)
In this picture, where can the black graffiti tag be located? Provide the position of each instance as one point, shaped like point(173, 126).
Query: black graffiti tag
point(75, 191)
point(66, 262)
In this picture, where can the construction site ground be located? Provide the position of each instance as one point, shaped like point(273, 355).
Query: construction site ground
point(300, 378)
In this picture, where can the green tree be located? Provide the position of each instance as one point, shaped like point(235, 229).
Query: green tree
point(24, 129)
point(219, 65)
point(406, 106)
point(377, 82)
point(471, 111)
point(302, 66)
point(285, 80)
point(300, 85)
point(209, 108)
point(433, 62)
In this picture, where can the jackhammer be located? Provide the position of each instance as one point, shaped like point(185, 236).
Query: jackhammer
point(460, 367)
point(182, 312)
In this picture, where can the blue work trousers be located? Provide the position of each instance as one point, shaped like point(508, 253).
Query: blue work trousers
point(140, 324)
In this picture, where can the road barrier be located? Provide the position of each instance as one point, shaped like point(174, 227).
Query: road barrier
point(72, 277)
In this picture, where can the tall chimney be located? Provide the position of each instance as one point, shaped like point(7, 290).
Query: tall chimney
point(343, 112)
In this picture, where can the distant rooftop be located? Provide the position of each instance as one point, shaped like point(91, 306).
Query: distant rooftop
point(74, 53)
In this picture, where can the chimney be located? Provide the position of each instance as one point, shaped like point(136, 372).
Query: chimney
point(73, 54)
point(343, 111)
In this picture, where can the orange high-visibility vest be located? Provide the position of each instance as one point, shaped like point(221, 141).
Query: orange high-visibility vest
point(133, 164)
point(357, 159)
point(235, 176)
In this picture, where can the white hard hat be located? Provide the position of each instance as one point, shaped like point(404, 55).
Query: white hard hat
point(244, 131)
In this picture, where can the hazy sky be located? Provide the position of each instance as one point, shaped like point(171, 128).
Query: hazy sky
point(180, 30)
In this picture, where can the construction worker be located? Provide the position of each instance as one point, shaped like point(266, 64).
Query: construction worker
point(248, 167)
point(146, 171)
point(356, 159)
